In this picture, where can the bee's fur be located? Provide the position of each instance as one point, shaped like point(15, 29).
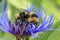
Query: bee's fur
point(26, 17)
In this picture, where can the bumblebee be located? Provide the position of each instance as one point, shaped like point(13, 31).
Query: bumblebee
point(25, 16)
point(33, 17)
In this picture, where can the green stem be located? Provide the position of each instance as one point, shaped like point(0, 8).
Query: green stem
point(22, 39)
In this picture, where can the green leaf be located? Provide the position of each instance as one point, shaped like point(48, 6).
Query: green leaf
point(6, 36)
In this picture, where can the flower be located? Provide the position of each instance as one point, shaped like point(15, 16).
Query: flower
point(26, 31)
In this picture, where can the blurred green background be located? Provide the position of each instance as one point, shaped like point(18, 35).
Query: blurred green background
point(50, 6)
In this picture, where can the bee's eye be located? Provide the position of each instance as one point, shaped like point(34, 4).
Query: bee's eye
point(34, 15)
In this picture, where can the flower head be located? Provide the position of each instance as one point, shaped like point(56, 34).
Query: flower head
point(25, 30)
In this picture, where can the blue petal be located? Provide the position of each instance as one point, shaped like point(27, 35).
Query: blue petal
point(4, 8)
point(16, 28)
point(2, 28)
point(32, 34)
point(46, 24)
point(49, 25)
point(44, 16)
point(33, 27)
point(1, 21)
point(36, 35)
point(39, 13)
point(6, 15)
point(4, 23)
point(32, 8)
point(4, 20)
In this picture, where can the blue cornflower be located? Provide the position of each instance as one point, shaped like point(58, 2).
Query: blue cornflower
point(25, 32)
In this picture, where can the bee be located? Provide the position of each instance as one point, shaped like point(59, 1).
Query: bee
point(33, 17)
point(27, 17)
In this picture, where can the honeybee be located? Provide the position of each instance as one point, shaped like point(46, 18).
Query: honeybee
point(25, 16)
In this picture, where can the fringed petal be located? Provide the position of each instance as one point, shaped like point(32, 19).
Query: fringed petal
point(46, 24)
point(39, 13)
point(4, 9)
point(2, 21)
